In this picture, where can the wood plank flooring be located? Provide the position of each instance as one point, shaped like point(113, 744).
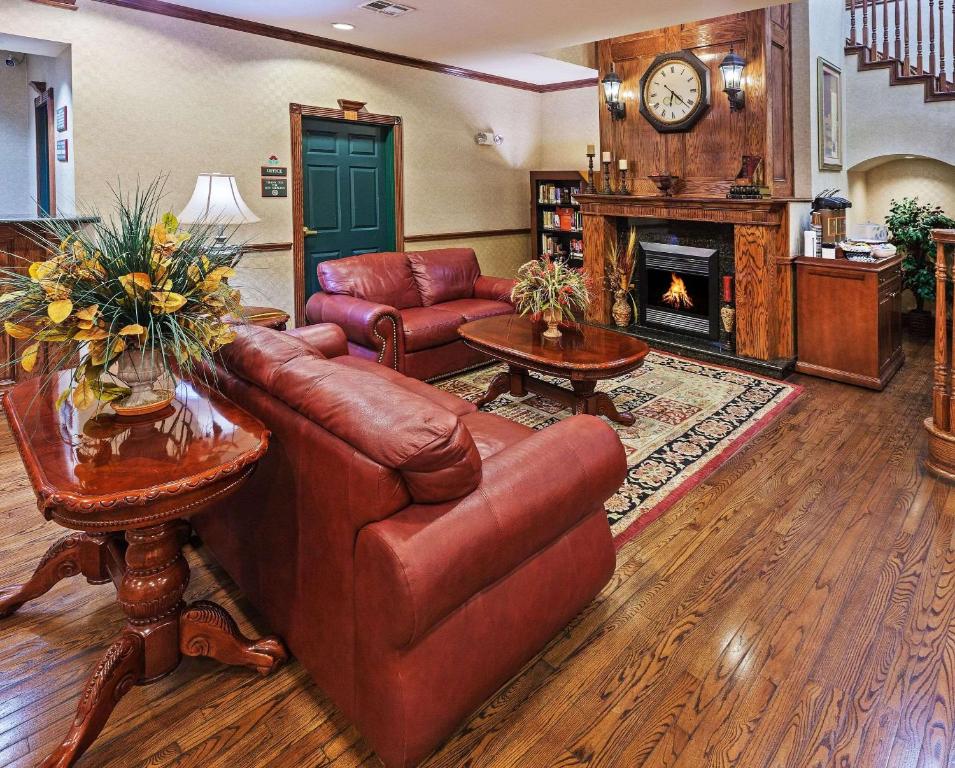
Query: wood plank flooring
point(797, 609)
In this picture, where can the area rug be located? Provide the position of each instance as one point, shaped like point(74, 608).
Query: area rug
point(691, 418)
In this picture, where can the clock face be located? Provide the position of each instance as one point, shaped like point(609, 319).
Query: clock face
point(675, 91)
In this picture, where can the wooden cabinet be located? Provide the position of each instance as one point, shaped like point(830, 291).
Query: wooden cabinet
point(849, 320)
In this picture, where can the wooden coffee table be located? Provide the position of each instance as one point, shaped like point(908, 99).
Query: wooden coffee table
point(585, 354)
point(127, 489)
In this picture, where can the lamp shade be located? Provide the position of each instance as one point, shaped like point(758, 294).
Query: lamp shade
point(216, 200)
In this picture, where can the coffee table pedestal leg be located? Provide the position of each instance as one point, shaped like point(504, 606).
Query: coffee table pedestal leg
point(588, 400)
point(158, 630)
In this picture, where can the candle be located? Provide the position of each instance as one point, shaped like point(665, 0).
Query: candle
point(727, 288)
point(591, 150)
point(623, 165)
point(605, 157)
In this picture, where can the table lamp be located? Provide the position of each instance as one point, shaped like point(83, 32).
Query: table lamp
point(216, 201)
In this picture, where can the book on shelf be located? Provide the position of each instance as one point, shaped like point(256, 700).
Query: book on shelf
point(554, 194)
point(563, 219)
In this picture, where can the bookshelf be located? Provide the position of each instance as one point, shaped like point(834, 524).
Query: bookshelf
point(556, 222)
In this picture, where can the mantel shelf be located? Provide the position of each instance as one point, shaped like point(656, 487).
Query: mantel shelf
point(767, 212)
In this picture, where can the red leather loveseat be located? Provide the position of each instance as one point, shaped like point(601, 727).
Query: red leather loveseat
point(413, 552)
point(404, 309)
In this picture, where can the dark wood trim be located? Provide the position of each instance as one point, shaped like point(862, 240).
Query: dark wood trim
point(302, 38)
point(266, 247)
point(69, 5)
point(47, 98)
point(296, 113)
point(467, 235)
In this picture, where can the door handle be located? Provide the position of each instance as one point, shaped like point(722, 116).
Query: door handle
point(309, 232)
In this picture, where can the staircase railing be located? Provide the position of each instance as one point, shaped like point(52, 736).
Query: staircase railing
point(912, 33)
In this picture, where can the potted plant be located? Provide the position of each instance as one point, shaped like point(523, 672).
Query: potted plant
point(620, 265)
point(126, 301)
point(550, 290)
point(911, 224)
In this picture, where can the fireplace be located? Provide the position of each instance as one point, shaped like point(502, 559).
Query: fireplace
point(679, 289)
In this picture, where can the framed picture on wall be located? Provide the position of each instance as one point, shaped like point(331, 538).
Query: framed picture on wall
point(829, 108)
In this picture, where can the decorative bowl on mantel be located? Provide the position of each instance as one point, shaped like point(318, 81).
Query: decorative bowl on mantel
point(665, 182)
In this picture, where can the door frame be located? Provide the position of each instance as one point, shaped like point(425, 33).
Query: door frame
point(296, 113)
point(46, 99)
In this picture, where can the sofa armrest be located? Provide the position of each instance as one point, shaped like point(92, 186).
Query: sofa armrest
point(494, 288)
point(375, 326)
point(328, 339)
point(416, 567)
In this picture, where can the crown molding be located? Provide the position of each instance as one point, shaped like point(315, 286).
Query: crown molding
point(68, 5)
point(175, 11)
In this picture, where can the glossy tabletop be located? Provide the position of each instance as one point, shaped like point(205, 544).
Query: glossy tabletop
point(581, 348)
point(89, 462)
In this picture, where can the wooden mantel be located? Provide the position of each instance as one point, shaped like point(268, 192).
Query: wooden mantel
point(764, 266)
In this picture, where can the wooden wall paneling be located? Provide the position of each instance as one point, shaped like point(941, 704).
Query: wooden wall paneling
point(599, 232)
point(754, 287)
point(784, 318)
point(708, 156)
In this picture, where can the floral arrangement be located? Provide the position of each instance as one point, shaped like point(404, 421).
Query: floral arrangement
point(621, 263)
point(135, 285)
point(545, 286)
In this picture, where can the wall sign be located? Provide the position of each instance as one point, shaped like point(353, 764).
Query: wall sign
point(61, 120)
point(274, 187)
point(274, 170)
point(63, 150)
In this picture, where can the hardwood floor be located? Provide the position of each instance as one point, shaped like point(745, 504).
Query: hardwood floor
point(796, 609)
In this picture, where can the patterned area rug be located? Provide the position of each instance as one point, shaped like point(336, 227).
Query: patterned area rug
point(690, 419)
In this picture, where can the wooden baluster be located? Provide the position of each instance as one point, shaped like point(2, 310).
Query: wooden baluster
point(918, 33)
point(852, 22)
point(898, 31)
point(941, 399)
point(875, 30)
point(940, 85)
point(907, 60)
point(865, 22)
point(885, 29)
point(931, 37)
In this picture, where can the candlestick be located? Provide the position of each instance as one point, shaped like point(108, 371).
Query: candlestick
point(605, 157)
point(607, 189)
point(624, 189)
point(591, 189)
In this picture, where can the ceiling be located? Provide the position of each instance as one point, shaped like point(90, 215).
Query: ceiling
point(498, 37)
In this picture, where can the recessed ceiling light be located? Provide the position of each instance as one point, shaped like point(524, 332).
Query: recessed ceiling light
point(343, 26)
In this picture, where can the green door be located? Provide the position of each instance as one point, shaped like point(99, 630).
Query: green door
point(349, 192)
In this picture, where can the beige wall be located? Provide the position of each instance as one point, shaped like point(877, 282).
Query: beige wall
point(16, 189)
point(931, 181)
point(569, 122)
point(156, 95)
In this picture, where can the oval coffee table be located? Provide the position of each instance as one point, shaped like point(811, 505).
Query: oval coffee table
point(585, 354)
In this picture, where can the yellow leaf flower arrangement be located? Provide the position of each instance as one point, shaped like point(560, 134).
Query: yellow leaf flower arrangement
point(134, 285)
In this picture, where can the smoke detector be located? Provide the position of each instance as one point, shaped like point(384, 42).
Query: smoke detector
point(386, 7)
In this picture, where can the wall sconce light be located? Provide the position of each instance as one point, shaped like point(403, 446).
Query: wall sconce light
point(611, 84)
point(732, 70)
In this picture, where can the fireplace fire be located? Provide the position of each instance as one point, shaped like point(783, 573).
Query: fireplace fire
point(676, 295)
point(679, 289)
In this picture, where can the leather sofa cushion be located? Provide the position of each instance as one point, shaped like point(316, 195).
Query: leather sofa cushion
point(427, 327)
point(382, 278)
point(327, 339)
point(444, 274)
point(457, 405)
point(492, 433)
point(390, 424)
point(475, 309)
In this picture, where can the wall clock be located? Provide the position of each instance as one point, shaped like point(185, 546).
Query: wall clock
point(675, 91)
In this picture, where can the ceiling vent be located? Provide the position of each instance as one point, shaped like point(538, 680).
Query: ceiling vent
point(386, 7)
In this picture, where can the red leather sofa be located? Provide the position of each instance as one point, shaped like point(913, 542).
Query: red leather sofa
point(404, 309)
point(413, 552)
